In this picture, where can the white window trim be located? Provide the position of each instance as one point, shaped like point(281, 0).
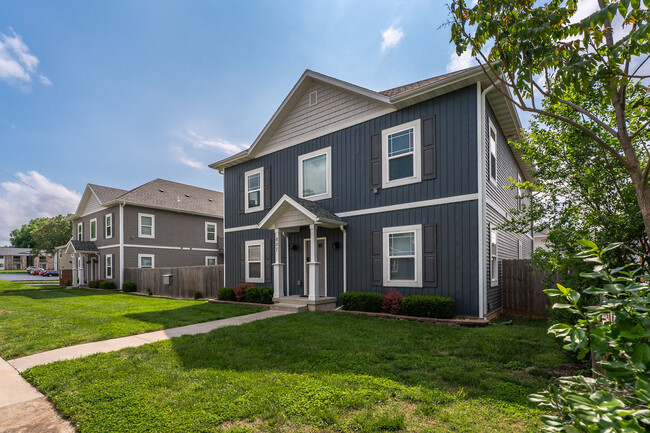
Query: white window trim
point(106, 267)
point(106, 226)
point(494, 276)
point(328, 167)
point(520, 250)
point(519, 198)
point(216, 260)
point(153, 260)
point(493, 180)
point(417, 229)
point(153, 225)
point(259, 171)
point(90, 229)
point(417, 154)
point(259, 242)
point(207, 223)
point(80, 231)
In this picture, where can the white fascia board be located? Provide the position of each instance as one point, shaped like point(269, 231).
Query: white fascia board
point(286, 199)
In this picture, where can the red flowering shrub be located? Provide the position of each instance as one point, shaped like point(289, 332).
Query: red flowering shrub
point(391, 302)
point(240, 291)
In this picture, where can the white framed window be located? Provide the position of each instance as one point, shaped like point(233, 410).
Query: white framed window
point(401, 150)
point(494, 258)
point(93, 229)
point(254, 198)
point(255, 261)
point(146, 225)
point(146, 261)
point(493, 153)
point(402, 256)
point(520, 250)
point(108, 226)
point(211, 232)
point(80, 231)
point(315, 174)
point(108, 266)
point(518, 192)
point(211, 261)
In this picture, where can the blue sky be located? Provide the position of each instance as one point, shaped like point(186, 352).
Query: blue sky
point(119, 93)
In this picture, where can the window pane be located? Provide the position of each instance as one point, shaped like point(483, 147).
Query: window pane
point(93, 229)
point(146, 221)
point(401, 167)
point(314, 176)
point(145, 230)
point(400, 143)
point(254, 270)
point(253, 199)
point(108, 220)
point(401, 244)
point(254, 253)
point(211, 228)
point(402, 269)
point(109, 261)
point(212, 262)
point(254, 182)
point(145, 262)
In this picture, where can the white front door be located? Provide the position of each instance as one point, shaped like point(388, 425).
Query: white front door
point(321, 251)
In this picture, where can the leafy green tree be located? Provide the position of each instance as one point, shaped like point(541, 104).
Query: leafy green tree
point(49, 233)
point(22, 237)
point(531, 50)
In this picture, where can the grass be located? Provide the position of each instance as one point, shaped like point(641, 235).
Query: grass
point(12, 272)
point(36, 319)
point(314, 372)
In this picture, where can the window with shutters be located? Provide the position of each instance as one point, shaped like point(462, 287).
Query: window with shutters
point(254, 261)
point(80, 231)
point(254, 194)
point(108, 226)
point(211, 232)
point(493, 153)
point(315, 174)
point(402, 253)
point(494, 259)
point(108, 261)
point(93, 229)
point(401, 150)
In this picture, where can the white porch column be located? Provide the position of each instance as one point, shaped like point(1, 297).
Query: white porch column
point(75, 272)
point(81, 271)
point(313, 264)
point(278, 268)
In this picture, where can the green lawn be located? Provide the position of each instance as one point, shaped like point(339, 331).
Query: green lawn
point(12, 272)
point(13, 286)
point(38, 319)
point(314, 372)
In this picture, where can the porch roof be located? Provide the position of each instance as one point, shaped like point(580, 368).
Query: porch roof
point(81, 247)
point(313, 212)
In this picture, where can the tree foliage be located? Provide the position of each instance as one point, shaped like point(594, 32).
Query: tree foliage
point(22, 237)
point(50, 233)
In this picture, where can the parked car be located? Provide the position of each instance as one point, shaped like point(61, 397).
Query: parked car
point(38, 272)
point(51, 274)
point(31, 269)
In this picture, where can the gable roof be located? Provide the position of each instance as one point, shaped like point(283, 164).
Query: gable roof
point(105, 193)
point(81, 247)
point(8, 251)
point(312, 210)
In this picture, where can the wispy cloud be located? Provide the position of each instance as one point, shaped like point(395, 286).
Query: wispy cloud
point(391, 37)
point(185, 159)
point(200, 142)
point(18, 66)
point(456, 62)
point(31, 196)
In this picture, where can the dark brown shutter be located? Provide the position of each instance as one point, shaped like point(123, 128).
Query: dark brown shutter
point(242, 193)
point(242, 261)
point(267, 187)
point(376, 247)
point(428, 149)
point(268, 253)
point(375, 161)
point(430, 261)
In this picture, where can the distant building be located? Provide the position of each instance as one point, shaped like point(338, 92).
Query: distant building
point(18, 259)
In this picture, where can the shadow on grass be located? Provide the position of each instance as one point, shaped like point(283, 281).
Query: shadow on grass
point(190, 314)
point(44, 293)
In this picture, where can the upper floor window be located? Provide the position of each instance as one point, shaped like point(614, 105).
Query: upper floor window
point(211, 232)
point(146, 260)
point(255, 261)
point(315, 174)
point(146, 225)
point(254, 190)
point(401, 148)
point(93, 229)
point(108, 226)
point(402, 256)
point(518, 192)
point(493, 153)
point(80, 231)
point(494, 258)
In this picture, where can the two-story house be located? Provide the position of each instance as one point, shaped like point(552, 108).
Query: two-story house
point(158, 224)
point(346, 188)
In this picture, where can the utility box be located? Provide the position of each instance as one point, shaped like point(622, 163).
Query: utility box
point(167, 279)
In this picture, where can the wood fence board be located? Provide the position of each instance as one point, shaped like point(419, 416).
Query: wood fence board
point(185, 281)
point(522, 289)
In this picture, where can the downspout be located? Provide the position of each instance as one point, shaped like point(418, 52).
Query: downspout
point(345, 260)
point(286, 243)
point(121, 244)
point(480, 139)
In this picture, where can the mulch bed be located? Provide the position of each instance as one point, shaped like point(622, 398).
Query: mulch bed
point(252, 304)
point(469, 322)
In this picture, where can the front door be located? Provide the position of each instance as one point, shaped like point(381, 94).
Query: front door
point(322, 269)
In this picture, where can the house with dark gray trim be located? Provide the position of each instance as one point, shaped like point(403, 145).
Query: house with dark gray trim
point(158, 224)
point(349, 189)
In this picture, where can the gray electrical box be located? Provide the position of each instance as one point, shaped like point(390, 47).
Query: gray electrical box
point(167, 279)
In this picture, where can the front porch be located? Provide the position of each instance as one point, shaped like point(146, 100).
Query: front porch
point(85, 262)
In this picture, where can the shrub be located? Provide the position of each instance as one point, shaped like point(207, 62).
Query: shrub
point(107, 285)
point(260, 295)
point(94, 284)
point(240, 291)
point(428, 306)
point(392, 302)
point(361, 301)
point(128, 286)
point(198, 295)
point(226, 294)
point(68, 283)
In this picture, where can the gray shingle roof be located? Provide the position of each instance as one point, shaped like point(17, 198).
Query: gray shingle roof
point(412, 86)
point(84, 246)
point(105, 193)
point(6, 251)
point(316, 209)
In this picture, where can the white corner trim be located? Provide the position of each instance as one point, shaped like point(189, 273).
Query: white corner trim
point(410, 205)
point(417, 152)
point(327, 151)
point(249, 173)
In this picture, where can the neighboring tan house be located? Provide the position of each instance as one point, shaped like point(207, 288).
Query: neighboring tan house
point(158, 224)
point(17, 259)
point(346, 188)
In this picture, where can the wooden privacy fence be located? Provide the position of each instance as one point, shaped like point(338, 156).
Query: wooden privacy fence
point(522, 289)
point(185, 281)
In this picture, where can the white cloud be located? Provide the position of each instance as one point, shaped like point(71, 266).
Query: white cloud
point(20, 203)
point(391, 37)
point(182, 157)
point(201, 142)
point(17, 64)
point(456, 62)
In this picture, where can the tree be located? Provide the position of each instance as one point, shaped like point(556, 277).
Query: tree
point(49, 233)
point(530, 49)
point(22, 237)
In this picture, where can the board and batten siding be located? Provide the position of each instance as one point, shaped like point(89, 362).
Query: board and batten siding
point(455, 159)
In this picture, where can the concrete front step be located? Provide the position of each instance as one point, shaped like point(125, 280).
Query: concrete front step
point(289, 307)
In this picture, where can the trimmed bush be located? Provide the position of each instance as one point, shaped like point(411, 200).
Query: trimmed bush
point(392, 302)
point(260, 295)
point(439, 307)
point(94, 284)
point(107, 285)
point(361, 301)
point(68, 283)
point(198, 295)
point(128, 286)
point(226, 294)
point(240, 291)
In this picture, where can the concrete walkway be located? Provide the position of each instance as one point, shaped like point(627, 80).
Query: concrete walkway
point(24, 409)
